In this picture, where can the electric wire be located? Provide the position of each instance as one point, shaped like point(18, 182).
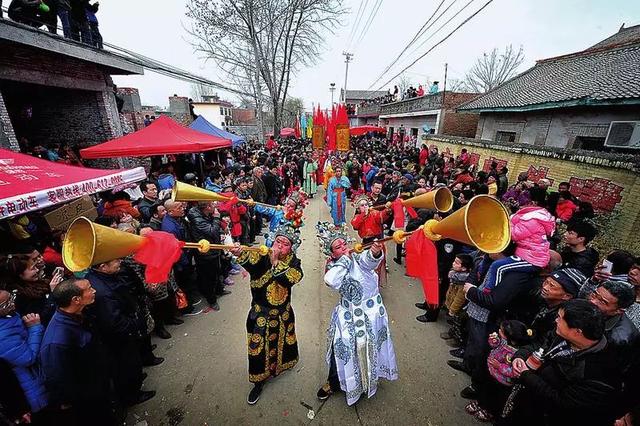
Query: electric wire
point(438, 43)
point(420, 32)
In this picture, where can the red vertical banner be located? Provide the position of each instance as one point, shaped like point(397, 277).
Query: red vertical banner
point(342, 137)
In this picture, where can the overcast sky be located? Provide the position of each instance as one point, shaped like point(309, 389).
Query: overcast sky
point(544, 28)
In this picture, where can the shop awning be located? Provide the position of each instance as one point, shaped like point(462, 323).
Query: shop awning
point(28, 183)
point(202, 125)
point(163, 136)
point(363, 130)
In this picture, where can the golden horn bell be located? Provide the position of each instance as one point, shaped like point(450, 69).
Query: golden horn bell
point(439, 199)
point(483, 223)
point(185, 192)
point(86, 244)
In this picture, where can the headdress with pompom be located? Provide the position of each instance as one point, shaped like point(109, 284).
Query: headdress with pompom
point(328, 233)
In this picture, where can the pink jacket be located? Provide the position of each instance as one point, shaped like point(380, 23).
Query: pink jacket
point(530, 227)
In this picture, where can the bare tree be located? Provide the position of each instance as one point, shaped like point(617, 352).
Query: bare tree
point(494, 68)
point(293, 108)
point(403, 82)
point(199, 89)
point(260, 44)
point(457, 85)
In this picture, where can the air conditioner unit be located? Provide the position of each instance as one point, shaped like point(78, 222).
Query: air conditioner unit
point(623, 134)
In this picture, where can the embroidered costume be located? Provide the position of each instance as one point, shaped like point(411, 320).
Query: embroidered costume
point(359, 344)
point(271, 334)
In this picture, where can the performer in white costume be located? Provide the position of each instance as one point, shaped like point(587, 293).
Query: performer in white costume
point(359, 346)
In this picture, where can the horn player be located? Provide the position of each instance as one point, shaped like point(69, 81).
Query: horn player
point(271, 334)
point(370, 224)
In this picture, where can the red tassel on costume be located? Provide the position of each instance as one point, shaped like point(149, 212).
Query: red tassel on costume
point(422, 263)
point(158, 253)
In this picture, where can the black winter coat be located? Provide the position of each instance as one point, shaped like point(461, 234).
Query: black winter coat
point(204, 228)
point(116, 312)
point(580, 389)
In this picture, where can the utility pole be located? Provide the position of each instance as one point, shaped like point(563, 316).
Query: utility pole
point(347, 58)
point(332, 88)
point(444, 91)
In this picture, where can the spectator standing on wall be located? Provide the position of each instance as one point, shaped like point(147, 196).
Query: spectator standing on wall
point(96, 37)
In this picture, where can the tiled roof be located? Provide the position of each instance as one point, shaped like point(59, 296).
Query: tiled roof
point(622, 37)
point(365, 94)
point(591, 76)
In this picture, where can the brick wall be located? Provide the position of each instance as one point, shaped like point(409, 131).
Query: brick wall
point(611, 184)
point(244, 117)
point(28, 65)
point(7, 136)
point(459, 124)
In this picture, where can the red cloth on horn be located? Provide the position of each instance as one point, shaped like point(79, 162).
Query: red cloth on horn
point(422, 263)
point(158, 253)
point(398, 213)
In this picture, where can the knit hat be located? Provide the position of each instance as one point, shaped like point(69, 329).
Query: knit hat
point(408, 177)
point(570, 279)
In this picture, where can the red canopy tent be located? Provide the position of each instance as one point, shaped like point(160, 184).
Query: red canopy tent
point(28, 183)
point(163, 136)
point(363, 130)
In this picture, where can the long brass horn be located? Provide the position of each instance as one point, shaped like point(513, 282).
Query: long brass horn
point(483, 223)
point(185, 192)
point(440, 199)
point(86, 244)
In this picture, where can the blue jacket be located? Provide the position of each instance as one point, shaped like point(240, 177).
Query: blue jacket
point(177, 227)
point(19, 346)
point(72, 361)
point(369, 178)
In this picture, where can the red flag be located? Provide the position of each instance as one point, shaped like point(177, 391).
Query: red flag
point(159, 252)
point(422, 263)
point(331, 130)
point(297, 128)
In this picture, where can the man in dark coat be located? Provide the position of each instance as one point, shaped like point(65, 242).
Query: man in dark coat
point(150, 197)
point(579, 380)
point(174, 223)
point(73, 359)
point(612, 298)
point(259, 194)
point(121, 327)
point(273, 185)
point(204, 226)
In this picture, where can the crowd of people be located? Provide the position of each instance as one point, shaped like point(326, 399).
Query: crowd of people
point(77, 18)
point(547, 330)
point(74, 345)
point(395, 95)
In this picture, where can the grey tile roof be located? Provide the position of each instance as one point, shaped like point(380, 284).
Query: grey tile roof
point(623, 36)
point(584, 77)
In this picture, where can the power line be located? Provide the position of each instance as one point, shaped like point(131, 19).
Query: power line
point(356, 22)
point(441, 27)
point(372, 15)
point(438, 43)
point(415, 37)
